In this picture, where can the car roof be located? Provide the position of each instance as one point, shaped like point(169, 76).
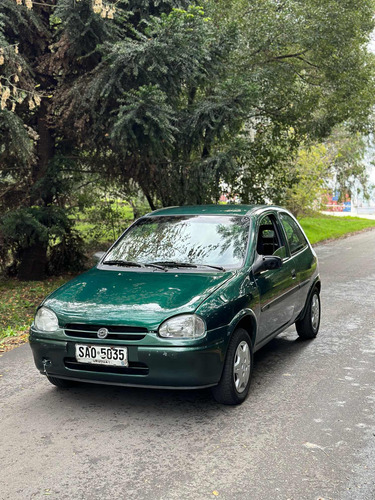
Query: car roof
point(227, 209)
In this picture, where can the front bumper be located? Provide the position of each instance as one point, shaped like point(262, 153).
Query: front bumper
point(187, 367)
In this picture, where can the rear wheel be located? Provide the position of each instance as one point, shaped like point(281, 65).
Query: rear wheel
point(62, 383)
point(234, 384)
point(308, 326)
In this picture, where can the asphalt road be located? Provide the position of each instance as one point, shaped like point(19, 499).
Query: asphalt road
point(307, 430)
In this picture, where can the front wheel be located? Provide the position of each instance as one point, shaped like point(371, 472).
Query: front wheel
point(308, 326)
point(234, 384)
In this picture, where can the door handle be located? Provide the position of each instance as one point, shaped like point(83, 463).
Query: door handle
point(294, 275)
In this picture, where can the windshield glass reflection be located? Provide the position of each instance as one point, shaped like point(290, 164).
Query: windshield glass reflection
point(189, 239)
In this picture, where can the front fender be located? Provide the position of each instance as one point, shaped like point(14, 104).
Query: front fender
point(246, 319)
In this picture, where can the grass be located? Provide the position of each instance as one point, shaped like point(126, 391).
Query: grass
point(18, 301)
point(330, 227)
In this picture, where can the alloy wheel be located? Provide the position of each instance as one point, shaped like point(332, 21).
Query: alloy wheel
point(315, 311)
point(241, 366)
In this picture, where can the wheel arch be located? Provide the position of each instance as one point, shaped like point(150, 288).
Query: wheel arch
point(225, 391)
point(247, 320)
point(316, 285)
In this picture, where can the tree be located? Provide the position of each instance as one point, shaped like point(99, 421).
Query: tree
point(348, 166)
point(161, 106)
point(335, 165)
point(309, 69)
point(58, 43)
point(193, 98)
point(171, 96)
point(308, 180)
point(39, 54)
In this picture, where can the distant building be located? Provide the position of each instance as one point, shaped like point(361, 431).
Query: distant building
point(333, 203)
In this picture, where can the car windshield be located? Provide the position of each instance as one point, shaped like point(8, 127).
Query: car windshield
point(197, 240)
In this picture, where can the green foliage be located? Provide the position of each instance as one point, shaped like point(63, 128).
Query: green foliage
point(310, 174)
point(335, 165)
point(175, 99)
point(173, 102)
point(309, 59)
point(26, 226)
point(210, 95)
point(104, 222)
point(39, 167)
point(310, 70)
point(79, 32)
point(16, 146)
point(145, 122)
point(47, 227)
point(347, 150)
point(67, 255)
point(103, 211)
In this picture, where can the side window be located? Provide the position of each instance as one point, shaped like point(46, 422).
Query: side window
point(293, 233)
point(269, 242)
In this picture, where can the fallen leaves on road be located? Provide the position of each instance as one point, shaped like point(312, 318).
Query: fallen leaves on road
point(11, 342)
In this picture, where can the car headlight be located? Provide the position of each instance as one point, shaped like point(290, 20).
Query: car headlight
point(46, 320)
point(186, 326)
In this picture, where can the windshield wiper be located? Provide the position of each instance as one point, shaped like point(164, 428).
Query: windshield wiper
point(220, 268)
point(171, 263)
point(151, 264)
point(127, 263)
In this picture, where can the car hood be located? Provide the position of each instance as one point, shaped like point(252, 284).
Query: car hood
point(132, 298)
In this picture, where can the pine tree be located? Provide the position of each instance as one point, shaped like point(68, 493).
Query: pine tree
point(39, 55)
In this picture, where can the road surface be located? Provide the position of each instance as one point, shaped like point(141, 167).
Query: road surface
point(307, 430)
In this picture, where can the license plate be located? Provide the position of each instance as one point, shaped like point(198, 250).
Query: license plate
point(102, 355)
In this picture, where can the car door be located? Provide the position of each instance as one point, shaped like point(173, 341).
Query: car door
point(303, 260)
point(277, 287)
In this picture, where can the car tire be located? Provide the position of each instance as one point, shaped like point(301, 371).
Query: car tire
point(308, 326)
point(234, 384)
point(61, 382)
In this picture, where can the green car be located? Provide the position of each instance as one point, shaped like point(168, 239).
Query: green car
point(182, 300)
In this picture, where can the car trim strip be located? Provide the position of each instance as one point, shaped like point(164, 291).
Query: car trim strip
point(306, 282)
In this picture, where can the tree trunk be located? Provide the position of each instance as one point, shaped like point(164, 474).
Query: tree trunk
point(150, 202)
point(33, 264)
point(148, 198)
point(45, 151)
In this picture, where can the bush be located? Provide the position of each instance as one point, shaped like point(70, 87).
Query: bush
point(45, 231)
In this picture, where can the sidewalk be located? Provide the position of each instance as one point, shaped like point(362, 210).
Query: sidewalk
point(350, 214)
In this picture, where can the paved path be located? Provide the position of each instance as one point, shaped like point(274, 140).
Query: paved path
point(307, 431)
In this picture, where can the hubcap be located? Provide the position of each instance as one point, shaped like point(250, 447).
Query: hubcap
point(315, 312)
point(241, 367)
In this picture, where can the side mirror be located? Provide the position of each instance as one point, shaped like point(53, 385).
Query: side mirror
point(97, 256)
point(266, 263)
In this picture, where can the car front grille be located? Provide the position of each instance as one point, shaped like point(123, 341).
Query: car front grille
point(115, 332)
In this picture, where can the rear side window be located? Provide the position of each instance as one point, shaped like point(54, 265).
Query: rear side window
point(295, 237)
